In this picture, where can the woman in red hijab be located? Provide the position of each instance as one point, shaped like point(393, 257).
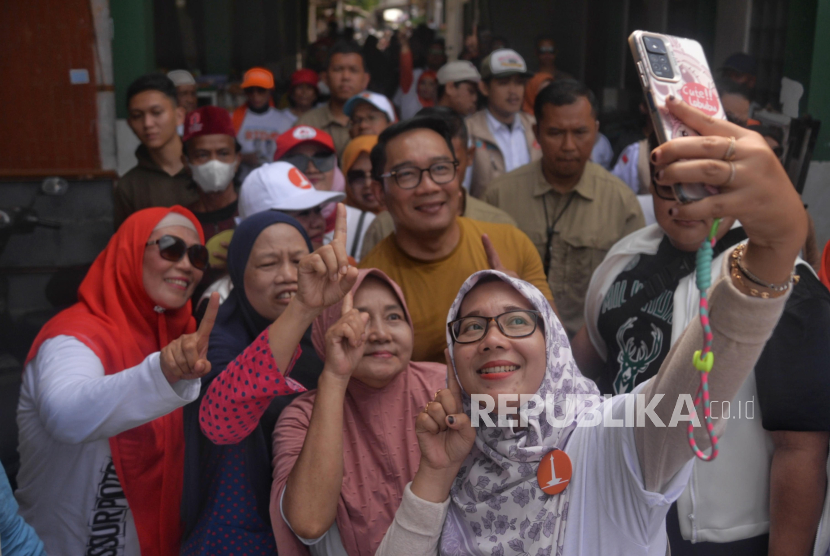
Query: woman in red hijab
point(101, 435)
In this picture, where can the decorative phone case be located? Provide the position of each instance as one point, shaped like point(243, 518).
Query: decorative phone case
point(692, 81)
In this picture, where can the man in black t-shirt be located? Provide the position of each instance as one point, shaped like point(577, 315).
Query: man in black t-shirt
point(633, 324)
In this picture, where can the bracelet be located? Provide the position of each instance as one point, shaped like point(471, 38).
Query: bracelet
point(737, 258)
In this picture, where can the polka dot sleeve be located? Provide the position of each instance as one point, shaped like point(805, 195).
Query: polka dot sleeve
point(239, 395)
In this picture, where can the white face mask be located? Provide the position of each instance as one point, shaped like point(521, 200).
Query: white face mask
point(213, 176)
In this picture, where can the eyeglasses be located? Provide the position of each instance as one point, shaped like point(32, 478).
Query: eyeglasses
point(513, 324)
point(172, 248)
point(409, 177)
point(547, 50)
point(323, 161)
point(358, 177)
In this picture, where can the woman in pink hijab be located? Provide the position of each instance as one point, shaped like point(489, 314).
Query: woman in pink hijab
point(344, 453)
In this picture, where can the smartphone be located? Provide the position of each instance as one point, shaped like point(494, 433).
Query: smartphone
point(669, 65)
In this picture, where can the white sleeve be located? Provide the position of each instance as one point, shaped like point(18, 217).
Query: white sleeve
point(77, 403)
point(626, 167)
point(307, 542)
point(615, 499)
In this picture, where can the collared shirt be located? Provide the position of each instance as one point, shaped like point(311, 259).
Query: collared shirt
point(323, 118)
point(511, 141)
point(599, 211)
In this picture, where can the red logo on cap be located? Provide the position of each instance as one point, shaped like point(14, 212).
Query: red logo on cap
point(195, 122)
point(304, 133)
point(702, 98)
point(298, 179)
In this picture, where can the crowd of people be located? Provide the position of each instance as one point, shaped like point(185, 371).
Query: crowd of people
point(283, 345)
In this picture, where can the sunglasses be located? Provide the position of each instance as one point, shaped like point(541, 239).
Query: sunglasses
point(323, 161)
point(172, 248)
point(546, 50)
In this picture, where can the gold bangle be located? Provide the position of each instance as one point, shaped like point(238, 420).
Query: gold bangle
point(753, 292)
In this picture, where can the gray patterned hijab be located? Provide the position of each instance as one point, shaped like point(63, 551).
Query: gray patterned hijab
point(497, 507)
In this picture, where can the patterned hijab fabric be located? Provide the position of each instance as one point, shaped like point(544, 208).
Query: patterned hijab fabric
point(497, 506)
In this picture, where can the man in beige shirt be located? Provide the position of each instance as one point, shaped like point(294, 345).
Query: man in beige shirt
point(572, 209)
point(346, 76)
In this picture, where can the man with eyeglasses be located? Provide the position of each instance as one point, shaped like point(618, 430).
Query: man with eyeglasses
point(433, 250)
point(572, 209)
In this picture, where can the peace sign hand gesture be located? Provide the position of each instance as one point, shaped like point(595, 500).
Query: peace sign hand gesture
point(325, 276)
point(185, 357)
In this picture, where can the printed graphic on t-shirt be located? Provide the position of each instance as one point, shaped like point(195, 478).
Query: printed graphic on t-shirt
point(637, 338)
point(108, 523)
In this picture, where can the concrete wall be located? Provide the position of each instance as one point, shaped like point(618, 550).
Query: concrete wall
point(817, 198)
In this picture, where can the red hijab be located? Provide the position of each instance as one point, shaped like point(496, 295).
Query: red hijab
point(115, 318)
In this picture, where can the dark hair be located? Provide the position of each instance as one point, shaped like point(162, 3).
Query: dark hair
point(187, 144)
point(443, 88)
point(458, 129)
point(346, 47)
point(563, 92)
point(152, 82)
point(378, 155)
point(729, 87)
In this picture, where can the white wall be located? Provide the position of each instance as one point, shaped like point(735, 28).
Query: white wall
point(126, 144)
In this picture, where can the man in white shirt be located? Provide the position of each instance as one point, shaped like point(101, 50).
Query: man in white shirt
point(502, 133)
point(257, 122)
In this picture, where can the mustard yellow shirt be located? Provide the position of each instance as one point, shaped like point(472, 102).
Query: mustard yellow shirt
point(430, 287)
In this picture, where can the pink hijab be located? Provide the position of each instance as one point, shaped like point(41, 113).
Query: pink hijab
point(380, 448)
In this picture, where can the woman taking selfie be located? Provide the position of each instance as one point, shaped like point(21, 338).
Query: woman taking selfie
point(620, 481)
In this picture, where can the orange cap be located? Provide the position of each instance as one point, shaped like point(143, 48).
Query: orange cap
point(258, 77)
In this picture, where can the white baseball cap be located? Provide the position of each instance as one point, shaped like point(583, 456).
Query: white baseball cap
point(280, 186)
point(181, 77)
point(375, 99)
point(504, 62)
point(459, 70)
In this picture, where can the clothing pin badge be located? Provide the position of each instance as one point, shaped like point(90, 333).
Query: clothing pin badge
point(554, 473)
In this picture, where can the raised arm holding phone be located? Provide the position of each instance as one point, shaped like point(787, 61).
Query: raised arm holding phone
point(623, 481)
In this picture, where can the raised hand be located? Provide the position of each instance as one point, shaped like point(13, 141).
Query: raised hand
point(185, 357)
point(345, 340)
point(753, 187)
point(325, 276)
point(493, 259)
point(445, 434)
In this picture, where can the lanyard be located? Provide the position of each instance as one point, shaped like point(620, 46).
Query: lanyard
point(551, 229)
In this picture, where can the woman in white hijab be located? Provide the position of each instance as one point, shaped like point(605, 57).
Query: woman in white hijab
point(479, 491)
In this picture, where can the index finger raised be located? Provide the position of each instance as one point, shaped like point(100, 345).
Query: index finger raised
point(338, 241)
point(206, 326)
point(452, 380)
point(348, 303)
point(493, 258)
